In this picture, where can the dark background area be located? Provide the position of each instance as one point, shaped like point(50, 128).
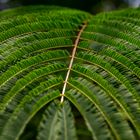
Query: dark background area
point(92, 6)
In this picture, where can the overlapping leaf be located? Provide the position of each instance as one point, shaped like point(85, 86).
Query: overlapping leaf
point(92, 62)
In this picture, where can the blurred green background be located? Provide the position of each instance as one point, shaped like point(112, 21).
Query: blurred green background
point(92, 6)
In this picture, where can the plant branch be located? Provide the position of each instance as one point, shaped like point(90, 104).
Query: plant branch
point(71, 61)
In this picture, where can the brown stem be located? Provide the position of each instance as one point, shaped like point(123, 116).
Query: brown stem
point(71, 61)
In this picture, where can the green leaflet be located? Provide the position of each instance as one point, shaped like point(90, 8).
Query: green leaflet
point(22, 115)
point(53, 59)
point(57, 123)
point(107, 109)
point(93, 119)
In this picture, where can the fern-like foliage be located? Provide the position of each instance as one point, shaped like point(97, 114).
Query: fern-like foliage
point(78, 74)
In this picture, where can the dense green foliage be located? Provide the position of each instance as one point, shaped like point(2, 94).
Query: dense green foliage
point(47, 53)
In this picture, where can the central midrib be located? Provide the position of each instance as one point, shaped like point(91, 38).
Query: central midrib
point(71, 61)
